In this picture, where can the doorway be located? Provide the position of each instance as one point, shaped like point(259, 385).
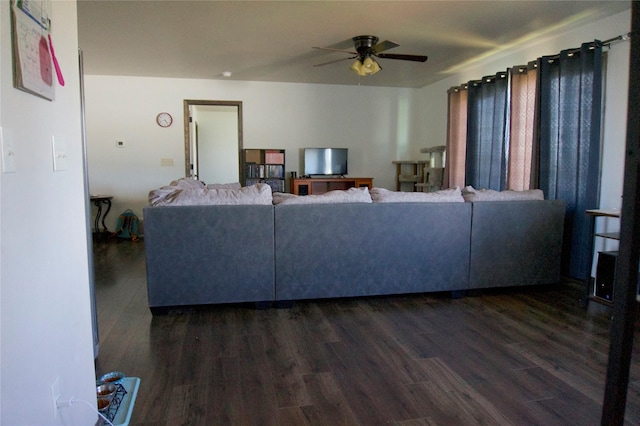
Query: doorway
point(213, 140)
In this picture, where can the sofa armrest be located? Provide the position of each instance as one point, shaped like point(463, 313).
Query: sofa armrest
point(516, 243)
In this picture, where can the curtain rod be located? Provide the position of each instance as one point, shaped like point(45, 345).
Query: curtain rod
point(621, 37)
point(607, 43)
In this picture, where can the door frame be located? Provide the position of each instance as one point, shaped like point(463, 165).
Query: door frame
point(188, 163)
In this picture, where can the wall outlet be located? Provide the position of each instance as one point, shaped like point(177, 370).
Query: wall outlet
point(166, 162)
point(55, 395)
point(120, 144)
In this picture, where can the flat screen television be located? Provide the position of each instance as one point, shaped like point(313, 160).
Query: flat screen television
point(325, 161)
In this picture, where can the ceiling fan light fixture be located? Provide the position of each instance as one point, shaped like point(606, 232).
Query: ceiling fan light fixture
point(369, 66)
point(365, 67)
point(357, 67)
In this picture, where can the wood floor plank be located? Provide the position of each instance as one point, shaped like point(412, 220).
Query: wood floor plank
point(292, 416)
point(259, 403)
point(520, 396)
point(474, 358)
point(288, 383)
point(573, 370)
point(307, 328)
point(327, 402)
point(379, 344)
point(426, 421)
point(187, 405)
point(225, 402)
point(313, 322)
point(451, 398)
point(560, 412)
point(369, 389)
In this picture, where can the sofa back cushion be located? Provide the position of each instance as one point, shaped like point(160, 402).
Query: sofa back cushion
point(258, 194)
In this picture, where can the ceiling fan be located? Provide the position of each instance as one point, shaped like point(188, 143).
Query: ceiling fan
point(367, 47)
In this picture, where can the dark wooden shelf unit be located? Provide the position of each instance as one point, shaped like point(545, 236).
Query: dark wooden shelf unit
point(309, 186)
point(264, 165)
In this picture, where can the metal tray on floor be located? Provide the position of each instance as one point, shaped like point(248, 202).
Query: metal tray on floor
point(120, 413)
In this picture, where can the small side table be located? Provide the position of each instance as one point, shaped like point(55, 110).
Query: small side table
point(590, 289)
point(99, 200)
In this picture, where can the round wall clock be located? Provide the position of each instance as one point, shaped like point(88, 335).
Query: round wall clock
point(164, 119)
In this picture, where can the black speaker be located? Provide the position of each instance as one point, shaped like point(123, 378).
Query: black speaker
point(606, 274)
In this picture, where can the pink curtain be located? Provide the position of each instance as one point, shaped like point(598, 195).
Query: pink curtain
point(523, 98)
point(456, 137)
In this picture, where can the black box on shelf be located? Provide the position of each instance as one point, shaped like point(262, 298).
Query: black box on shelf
point(605, 274)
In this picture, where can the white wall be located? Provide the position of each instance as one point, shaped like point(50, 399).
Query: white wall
point(45, 326)
point(374, 123)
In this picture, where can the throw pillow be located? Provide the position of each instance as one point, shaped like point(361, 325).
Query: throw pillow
point(351, 195)
point(382, 195)
point(232, 185)
point(471, 194)
point(259, 194)
point(187, 182)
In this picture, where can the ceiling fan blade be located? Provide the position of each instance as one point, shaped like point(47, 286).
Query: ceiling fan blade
point(384, 45)
point(415, 58)
point(337, 60)
point(336, 50)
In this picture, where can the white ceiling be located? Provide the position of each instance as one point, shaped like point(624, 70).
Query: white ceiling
point(273, 40)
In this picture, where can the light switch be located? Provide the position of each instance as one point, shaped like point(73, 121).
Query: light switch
point(8, 152)
point(166, 162)
point(59, 148)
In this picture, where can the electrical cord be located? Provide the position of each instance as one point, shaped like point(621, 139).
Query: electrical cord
point(72, 401)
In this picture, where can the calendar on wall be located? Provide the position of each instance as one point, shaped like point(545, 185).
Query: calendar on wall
point(33, 62)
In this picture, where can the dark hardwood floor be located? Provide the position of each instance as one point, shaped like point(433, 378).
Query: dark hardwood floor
point(527, 356)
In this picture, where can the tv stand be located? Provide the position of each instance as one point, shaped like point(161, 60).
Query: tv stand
point(320, 185)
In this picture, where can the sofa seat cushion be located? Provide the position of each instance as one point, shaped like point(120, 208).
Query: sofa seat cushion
point(351, 195)
point(258, 194)
point(381, 195)
point(471, 194)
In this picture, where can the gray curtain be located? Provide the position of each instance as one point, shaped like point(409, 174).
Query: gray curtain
point(569, 141)
point(488, 132)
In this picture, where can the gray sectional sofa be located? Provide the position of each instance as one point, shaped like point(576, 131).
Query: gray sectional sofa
point(269, 254)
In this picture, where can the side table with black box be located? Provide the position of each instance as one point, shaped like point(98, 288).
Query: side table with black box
point(601, 290)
